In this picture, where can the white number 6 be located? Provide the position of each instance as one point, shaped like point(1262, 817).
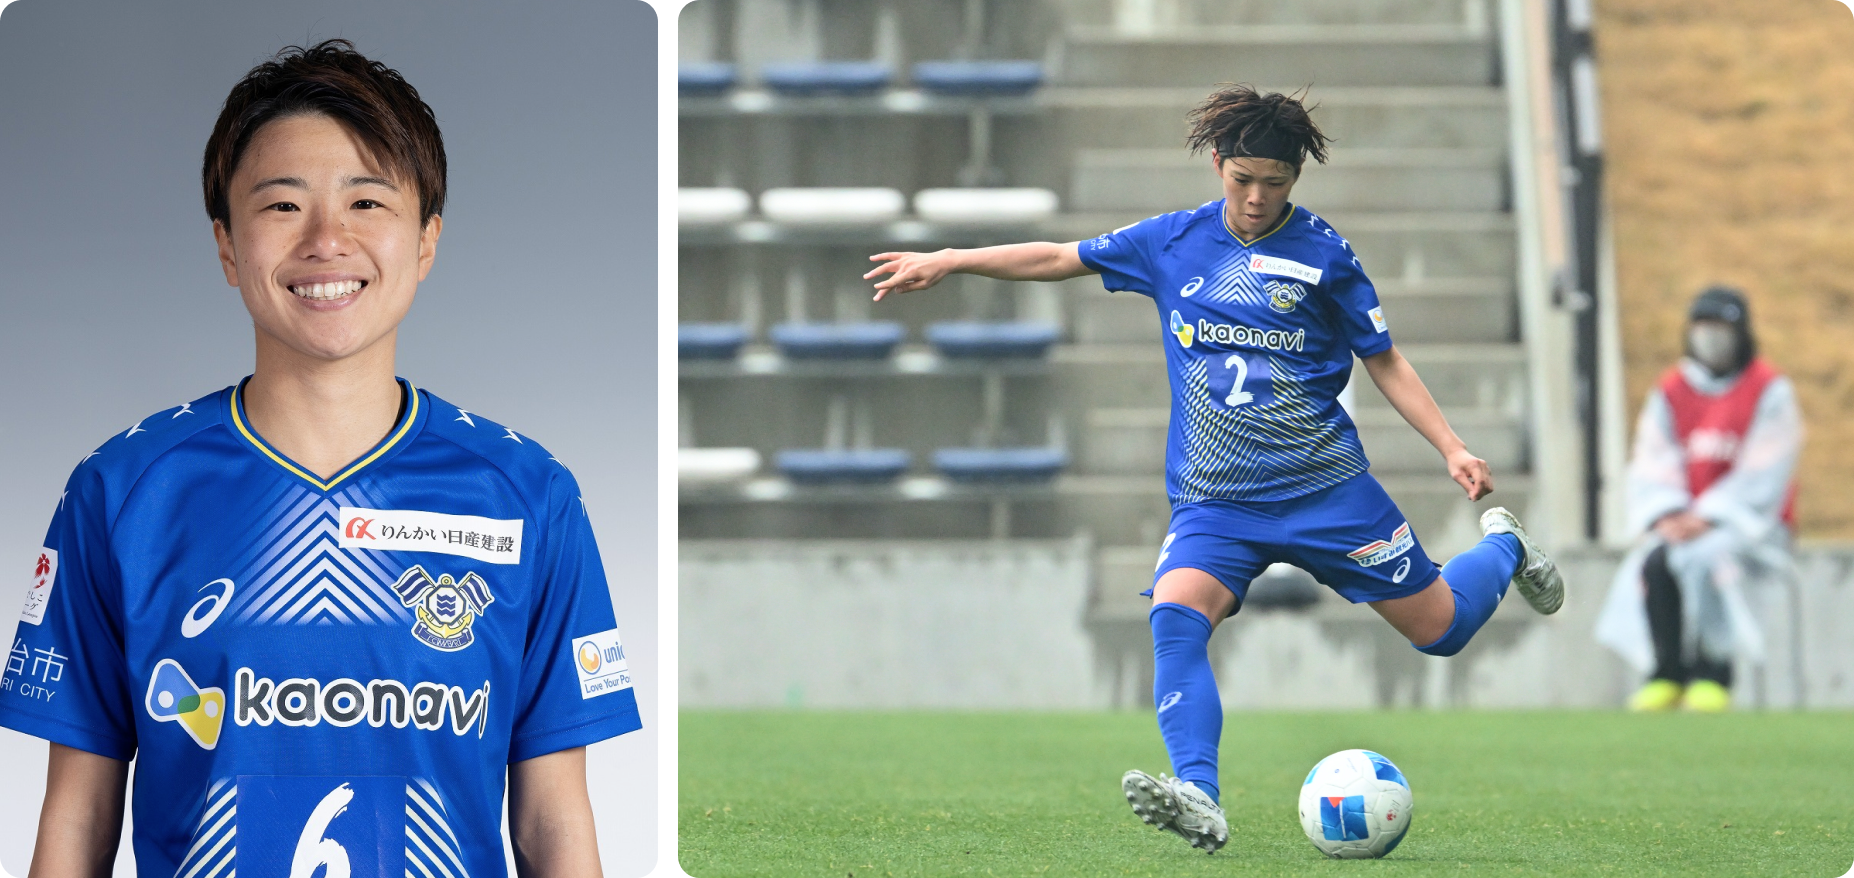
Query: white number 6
point(1238, 396)
point(312, 849)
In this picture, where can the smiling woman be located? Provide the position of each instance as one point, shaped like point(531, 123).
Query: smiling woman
point(379, 533)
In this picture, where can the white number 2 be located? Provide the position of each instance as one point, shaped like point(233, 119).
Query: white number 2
point(213, 604)
point(312, 849)
point(1238, 396)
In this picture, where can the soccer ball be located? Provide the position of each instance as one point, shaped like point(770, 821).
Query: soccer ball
point(1355, 805)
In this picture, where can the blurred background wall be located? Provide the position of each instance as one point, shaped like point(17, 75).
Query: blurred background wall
point(1732, 160)
point(113, 306)
point(952, 499)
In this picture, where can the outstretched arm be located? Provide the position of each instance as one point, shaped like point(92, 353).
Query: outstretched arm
point(1039, 260)
point(1398, 380)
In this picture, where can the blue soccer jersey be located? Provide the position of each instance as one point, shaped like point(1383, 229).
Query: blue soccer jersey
point(319, 675)
point(1259, 339)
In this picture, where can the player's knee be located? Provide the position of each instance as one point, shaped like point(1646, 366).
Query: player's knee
point(1445, 646)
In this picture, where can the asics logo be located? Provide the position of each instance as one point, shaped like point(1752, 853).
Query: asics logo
point(1402, 571)
point(1191, 287)
point(1170, 699)
point(206, 610)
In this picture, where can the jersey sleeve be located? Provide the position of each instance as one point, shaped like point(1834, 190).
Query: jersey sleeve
point(1124, 256)
point(1355, 302)
point(66, 677)
point(576, 683)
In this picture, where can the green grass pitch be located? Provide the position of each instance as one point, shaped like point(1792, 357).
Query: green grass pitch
point(864, 795)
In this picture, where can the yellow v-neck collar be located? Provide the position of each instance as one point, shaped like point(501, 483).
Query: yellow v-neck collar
point(1223, 216)
point(392, 440)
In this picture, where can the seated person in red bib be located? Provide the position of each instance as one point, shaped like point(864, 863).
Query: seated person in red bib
point(1711, 491)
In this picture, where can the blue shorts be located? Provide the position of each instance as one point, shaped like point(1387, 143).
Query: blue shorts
point(1349, 536)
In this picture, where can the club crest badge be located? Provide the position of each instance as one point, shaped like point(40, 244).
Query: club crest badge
point(1283, 296)
point(446, 607)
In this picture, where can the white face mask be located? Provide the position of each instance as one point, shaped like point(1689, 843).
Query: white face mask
point(1714, 345)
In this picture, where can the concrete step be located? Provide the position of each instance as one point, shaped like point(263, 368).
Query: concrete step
point(1137, 14)
point(1321, 55)
point(1434, 310)
point(1354, 180)
point(1355, 117)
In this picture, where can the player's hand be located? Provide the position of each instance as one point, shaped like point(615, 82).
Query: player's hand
point(1678, 527)
point(1471, 473)
point(908, 272)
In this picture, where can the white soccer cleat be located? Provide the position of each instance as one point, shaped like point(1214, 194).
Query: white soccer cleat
point(1537, 577)
point(1178, 807)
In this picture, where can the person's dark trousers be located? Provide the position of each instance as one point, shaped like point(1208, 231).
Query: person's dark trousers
point(1664, 624)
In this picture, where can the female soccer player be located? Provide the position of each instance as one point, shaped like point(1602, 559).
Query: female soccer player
point(325, 609)
point(1262, 306)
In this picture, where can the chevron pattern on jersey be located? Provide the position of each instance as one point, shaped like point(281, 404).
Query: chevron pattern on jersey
point(296, 573)
point(431, 847)
point(1282, 449)
point(1232, 281)
point(214, 847)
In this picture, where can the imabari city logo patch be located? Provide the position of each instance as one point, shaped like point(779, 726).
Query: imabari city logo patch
point(446, 607)
point(174, 697)
point(1379, 551)
point(39, 590)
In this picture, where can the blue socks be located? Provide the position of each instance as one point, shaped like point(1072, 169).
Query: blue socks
point(1478, 577)
point(1185, 693)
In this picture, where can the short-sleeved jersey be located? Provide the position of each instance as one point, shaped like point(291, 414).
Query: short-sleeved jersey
point(317, 672)
point(1259, 339)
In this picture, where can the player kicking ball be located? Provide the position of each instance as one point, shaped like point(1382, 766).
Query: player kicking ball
point(1263, 306)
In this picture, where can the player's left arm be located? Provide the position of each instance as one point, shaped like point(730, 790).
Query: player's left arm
point(550, 816)
point(1400, 384)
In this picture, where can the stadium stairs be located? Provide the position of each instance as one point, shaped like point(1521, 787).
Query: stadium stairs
point(1420, 183)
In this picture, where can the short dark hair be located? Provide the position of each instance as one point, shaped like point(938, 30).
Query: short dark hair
point(329, 79)
point(1236, 120)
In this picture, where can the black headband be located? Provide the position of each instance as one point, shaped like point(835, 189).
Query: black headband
point(1270, 144)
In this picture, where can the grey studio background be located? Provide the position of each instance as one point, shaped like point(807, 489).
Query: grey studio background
point(540, 311)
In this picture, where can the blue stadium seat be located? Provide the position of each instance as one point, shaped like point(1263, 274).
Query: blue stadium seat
point(1036, 463)
point(825, 77)
point(837, 341)
point(705, 78)
point(992, 339)
point(978, 77)
point(709, 341)
point(827, 465)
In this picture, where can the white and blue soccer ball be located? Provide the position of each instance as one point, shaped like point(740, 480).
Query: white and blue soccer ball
point(1355, 805)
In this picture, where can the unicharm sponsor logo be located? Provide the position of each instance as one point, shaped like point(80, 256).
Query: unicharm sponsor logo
point(306, 702)
point(1238, 334)
point(601, 664)
point(1379, 551)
